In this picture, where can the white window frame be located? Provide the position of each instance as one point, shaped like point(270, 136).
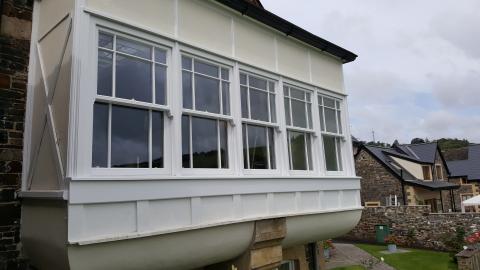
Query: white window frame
point(229, 119)
point(310, 131)
point(266, 124)
point(112, 100)
point(339, 136)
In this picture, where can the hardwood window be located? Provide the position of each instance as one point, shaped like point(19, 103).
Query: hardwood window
point(128, 119)
point(427, 173)
point(258, 121)
point(206, 101)
point(298, 114)
point(332, 133)
point(439, 171)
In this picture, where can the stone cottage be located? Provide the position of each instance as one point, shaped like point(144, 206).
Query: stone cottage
point(412, 174)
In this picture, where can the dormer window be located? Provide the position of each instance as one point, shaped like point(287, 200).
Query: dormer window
point(427, 173)
point(439, 171)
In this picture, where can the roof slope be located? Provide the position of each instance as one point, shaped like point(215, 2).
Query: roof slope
point(266, 17)
point(469, 167)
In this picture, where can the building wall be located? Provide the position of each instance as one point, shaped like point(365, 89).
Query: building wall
point(15, 25)
point(377, 183)
point(413, 168)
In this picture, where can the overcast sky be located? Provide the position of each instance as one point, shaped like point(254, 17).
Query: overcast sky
point(418, 70)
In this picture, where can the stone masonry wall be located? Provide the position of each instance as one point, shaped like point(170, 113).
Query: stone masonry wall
point(15, 27)
point(414, 225)
point(377, 182)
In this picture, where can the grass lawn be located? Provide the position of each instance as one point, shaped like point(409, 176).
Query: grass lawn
point(416, 259)
point(353, 267)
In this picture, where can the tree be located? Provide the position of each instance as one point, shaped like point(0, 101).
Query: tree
point(448, 143)
point(417, 141)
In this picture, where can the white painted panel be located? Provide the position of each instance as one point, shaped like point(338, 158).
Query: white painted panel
point(293, 59)
point(215, 209)
point(254, 205)
point(51, 12)
point(38, 110)
point(109, 219)
point(167, 214)
point(413, 168)
point(60, 103)
point(254, 44)
point(202, 24)
point(82, 191)
point(44, 175)
point(283, 203)
point(158, 15)
point(349, 198)
point(51, 52)
point(330, 200)
point(308, 201)
point(327, 71)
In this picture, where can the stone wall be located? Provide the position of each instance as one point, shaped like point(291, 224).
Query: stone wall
point(377, 182)
point(414, 226)
point(15, 27)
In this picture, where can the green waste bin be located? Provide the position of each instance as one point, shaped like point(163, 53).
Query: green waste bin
point(381, 231)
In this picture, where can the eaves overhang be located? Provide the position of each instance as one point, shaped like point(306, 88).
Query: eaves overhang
point(289, 29)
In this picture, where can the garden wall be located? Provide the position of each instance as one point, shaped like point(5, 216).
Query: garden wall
point(416, 226)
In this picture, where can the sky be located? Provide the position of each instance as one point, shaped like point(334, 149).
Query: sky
point(418, 68)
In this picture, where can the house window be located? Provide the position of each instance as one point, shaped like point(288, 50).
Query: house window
point(427, 173)
point(128, 124)
point(392, 200)
point(258, 121)
point(372, 204)
point(298, 114)
point(332, 134)
point(439, 171)
point(206, 102)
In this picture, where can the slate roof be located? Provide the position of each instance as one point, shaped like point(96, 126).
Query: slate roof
point(418, 153)
point(469, 167)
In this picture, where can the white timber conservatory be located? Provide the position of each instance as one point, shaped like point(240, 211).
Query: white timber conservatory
point(159, 132)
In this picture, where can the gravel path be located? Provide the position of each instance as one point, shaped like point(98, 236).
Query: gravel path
point(348, 254)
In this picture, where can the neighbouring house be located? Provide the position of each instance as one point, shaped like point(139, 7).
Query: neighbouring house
point(464, 166)
point(178, 134)
point(413, 174)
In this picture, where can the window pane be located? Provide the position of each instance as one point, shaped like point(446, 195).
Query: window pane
point(186, 63)
point(225, 74)
point(104, 77)
point(298, 114)
point(322, 121)
point(330, 120)
point(271, 145)
point(309, 152)
point(273, 111)
point(330, 153)
point(297, 93)
point(157, 140)
point(100, 135)
point(130, 130)
point(134, 48)
point(204, 143)
point(298, 152)
point(160, 56)
point(105, 40)
point(185, 141)
point(287, 111)
point(286, 91)
point(244, 93)
point(245, 148)
point(257, 147)
point(257, 82)
point(309, 114)
point(223, 143)
point(271, 87)
point(207, 94)
point(243, 79)
point(259, 105)
point(187, 89)
point(160, 84)
point(339, 118)
point(225, 98)
point(339, 153)
point(207, 69)
point(133, 79)
point(329, 102)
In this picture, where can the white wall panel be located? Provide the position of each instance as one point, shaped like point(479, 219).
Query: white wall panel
point(109, 219)
point(330, 200)
point(44, 174)
point(293, 59)
point(154, 14)
point(309, 201)
point(350, 198)
point(168, 214)
point(38, 111)
point(51, 12)
point(254, 205)
point(326, 71)
point(200, 24)
point(216, 209)
point(254, 44)
point(283, 203)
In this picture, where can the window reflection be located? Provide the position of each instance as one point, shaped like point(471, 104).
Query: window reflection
point(100, 135)
point(133, 79)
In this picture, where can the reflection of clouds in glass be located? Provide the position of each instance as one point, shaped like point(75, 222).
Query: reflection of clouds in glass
point(259, 105)
point(133, 79)
point(204, 135)
point(207, 94)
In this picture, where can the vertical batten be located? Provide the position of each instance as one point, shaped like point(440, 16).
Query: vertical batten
point(143, 217)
